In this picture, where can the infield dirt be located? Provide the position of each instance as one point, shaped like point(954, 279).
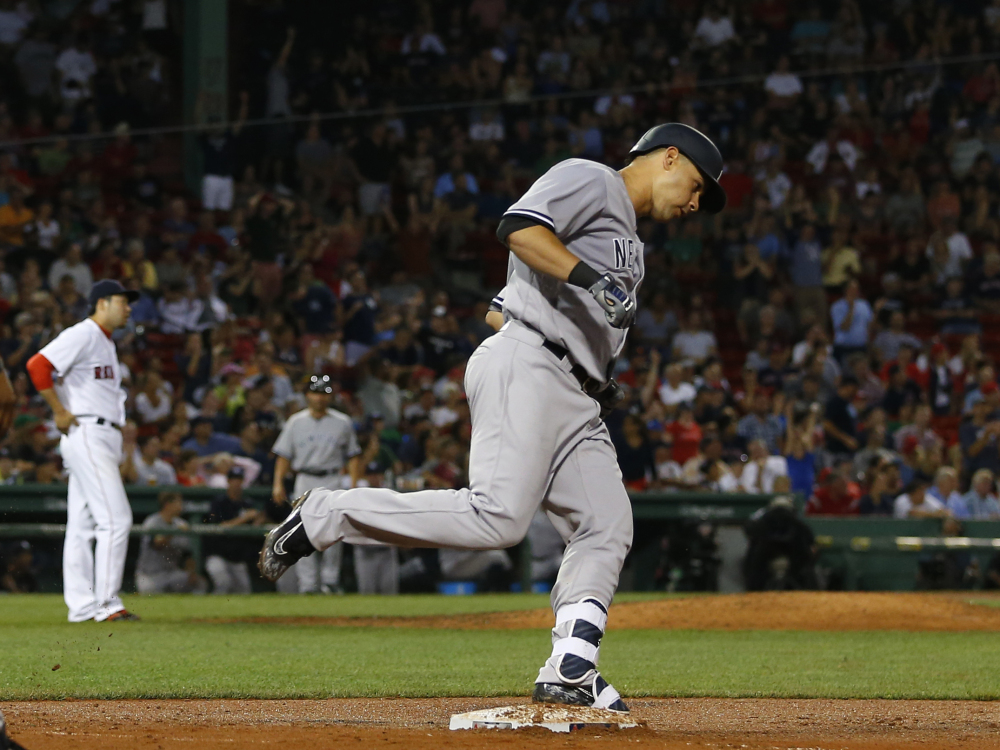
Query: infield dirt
point(799, 610)
point(421, 724)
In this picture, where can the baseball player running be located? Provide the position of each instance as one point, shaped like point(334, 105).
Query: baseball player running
point(89, 409)
point(534, 391)
point(316, 443)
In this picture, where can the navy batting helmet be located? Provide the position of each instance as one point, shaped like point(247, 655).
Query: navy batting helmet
point(697, 147)
point(320, 384)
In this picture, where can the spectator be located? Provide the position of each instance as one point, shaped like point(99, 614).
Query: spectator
point(888, 341)
point(71, 264)
point(76, 67)
point(978, 436)
point(852, 319)
point(883, 486)
point(917, 502)
point(979, 503)
point(807, 276)
point(165, 565)
point(761, 469)
point(656, 323)
point(945, 487)
point(800, 438)
point(674, 391)
point(225, 560)
point(693, 341)
point(145, 466)
point(635, 454)
point(840, 418)
point(205, 441)
point(836, 495)
point(218, 149)
point(153, 403)
point(713, 28)
point(762, 425)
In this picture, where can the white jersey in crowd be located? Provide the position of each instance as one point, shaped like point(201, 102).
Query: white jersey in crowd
point(86, 359)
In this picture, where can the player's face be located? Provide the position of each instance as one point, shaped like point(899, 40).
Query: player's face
point(317, 401)
point(677, 187)
point(118, 310)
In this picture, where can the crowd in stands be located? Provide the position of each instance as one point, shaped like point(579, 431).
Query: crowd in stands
point(833, 333)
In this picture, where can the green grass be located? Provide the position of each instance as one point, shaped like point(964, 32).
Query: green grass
point(169, 654)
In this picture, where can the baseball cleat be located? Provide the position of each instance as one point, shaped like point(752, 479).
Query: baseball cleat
point(594, 692)
point(285, 544)
point(6, 743)
point(123, 615)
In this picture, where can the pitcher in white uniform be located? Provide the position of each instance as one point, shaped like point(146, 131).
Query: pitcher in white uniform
point(88, 404)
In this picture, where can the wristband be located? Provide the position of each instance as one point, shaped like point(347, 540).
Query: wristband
point(583, 276)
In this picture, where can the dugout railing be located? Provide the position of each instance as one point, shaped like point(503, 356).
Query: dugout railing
point(861, 553)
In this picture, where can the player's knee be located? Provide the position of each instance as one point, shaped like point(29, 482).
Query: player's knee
point(507, 532)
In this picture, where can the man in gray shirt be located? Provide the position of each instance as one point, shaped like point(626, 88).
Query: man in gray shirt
point(534, 392)
point(164, 565)
point(318, 444)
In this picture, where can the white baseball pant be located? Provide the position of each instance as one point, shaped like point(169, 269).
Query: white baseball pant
point(98, 521)
point(227, 577)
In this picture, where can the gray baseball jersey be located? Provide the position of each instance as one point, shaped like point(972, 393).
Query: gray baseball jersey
point(317, 444)
point(573, 195)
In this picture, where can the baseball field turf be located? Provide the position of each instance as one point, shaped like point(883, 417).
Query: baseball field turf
point(267, 646)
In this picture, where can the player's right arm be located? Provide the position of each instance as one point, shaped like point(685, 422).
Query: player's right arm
point(281, 467)
point(40, 371)
point(559, 204)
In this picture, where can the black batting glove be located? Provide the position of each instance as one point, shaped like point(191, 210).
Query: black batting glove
point(618, 307)
point(609, 397)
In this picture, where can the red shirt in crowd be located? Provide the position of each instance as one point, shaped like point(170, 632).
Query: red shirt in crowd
point(687, 440)
point(826, 502)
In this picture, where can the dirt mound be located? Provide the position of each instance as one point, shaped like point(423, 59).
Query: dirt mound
point(421, 724)
point(793, 610)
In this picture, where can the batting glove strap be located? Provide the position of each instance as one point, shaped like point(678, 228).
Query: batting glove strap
point(618, 306)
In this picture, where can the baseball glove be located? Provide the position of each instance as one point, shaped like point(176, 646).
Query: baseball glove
point(609, 397)
point(7, 402)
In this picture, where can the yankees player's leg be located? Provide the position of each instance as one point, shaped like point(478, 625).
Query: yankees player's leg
point(527, 413)
point(98, 453)
point(78, 551)
point(219, 573)
point(590, 508)
point(377, 569)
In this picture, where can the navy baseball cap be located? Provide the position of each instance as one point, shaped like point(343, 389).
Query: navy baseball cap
point(236, 473)
point(109, 288)
point(697, 147)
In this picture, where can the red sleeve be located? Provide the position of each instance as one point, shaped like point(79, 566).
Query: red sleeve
point(40, 371)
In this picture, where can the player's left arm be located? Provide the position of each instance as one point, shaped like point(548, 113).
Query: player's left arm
point(40, 371)
point(353, 453)
point(354, 470)
point(494, 315)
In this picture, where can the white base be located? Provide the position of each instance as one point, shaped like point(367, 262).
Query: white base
point(551, 717)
